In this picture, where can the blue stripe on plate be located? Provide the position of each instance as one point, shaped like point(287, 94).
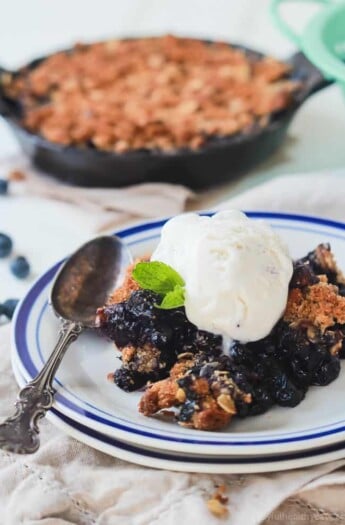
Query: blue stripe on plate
point(197, 459)
point(253, 214)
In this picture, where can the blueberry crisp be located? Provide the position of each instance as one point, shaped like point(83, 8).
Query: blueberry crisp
point(186, 369)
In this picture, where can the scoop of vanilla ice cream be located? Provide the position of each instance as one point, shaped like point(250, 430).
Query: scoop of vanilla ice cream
point(236, 272)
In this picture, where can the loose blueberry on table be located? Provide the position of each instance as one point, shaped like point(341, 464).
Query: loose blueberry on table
point(20, 267)
point(8, 308)
point(3, 186)
point(6, 245)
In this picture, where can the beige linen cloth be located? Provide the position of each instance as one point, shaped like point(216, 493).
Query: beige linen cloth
point(66, 482)
point(106, 208)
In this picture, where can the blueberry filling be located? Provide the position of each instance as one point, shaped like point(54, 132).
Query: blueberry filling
point(138, 323)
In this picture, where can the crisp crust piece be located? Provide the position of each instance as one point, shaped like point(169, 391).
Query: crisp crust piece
point(128, 286)
point(164, 393)
point(209, 401)
point(314, 297)
point(142, 359)
point(159, 395)
point(325, 259)
point(181, 367)
point(123, 292)
point(319, 304)
point(210, 416)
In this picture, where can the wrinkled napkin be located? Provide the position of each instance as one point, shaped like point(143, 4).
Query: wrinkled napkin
point(106, 207)
point(67, 482)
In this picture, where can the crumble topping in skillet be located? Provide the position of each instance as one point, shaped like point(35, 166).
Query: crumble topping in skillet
point(152, 93)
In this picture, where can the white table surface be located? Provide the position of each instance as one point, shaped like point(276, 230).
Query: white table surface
point(44, 232)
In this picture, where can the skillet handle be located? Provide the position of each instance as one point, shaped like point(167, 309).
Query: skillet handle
point(283, 26)
point(312, 78)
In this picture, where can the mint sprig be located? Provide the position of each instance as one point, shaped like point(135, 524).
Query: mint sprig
point(163, 280)
point(173, 299)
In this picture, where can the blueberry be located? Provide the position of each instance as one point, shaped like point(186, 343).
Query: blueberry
point(162, 337)
point(286, 393)
point(3, 186)
point(128, 380)
point(187, 411)
point(327, 372)
point(20, 267)
point(6, 245)
point(8, 307)
point(262, 400)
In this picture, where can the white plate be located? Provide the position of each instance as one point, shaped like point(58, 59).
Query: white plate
point(153, 458)
point(86, 397)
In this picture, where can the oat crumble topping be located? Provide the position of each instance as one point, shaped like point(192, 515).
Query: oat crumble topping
point(160, 93)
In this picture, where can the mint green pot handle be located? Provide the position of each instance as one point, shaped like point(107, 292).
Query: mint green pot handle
point(283, 25)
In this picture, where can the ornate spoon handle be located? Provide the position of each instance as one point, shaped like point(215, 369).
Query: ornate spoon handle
point(20, 432)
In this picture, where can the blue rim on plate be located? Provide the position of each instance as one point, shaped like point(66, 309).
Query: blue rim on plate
point(277, 458)
point(23, 351)
point(259, 463)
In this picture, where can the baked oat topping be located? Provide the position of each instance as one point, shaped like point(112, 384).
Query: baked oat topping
point(158, 93)
point(316, 291)
point(217, 503)
point(320, 304)
point(217, 508)
point(128, 286)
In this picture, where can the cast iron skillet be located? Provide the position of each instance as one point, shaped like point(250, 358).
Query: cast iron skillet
point(216, 162)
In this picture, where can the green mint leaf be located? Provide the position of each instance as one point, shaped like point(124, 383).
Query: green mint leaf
point(157, 277)
point(173, 299)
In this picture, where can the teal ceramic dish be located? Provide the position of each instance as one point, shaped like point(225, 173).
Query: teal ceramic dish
point(323, 39)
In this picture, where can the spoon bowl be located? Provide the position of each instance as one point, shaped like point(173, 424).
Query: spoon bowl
point(87, 278)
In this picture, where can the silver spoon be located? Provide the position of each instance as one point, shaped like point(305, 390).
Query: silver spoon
point(83, 284)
